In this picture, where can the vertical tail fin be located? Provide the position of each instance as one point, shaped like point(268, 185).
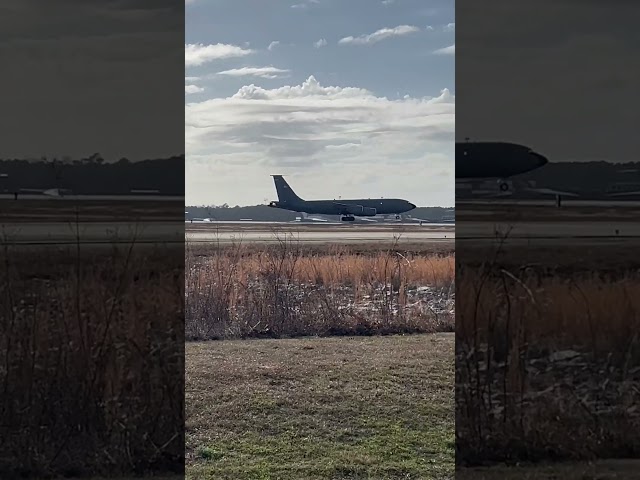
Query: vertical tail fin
point(285, 192)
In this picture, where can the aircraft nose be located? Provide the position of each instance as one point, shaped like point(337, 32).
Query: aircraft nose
point(412, 205)
point(540, 160)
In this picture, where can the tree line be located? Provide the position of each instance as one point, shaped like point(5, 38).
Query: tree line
point(93, 175)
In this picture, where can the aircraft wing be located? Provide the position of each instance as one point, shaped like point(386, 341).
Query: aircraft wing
point(622, 194)
point(52, 192)
point(313, 219)
point(549, 191)
point(491, 193)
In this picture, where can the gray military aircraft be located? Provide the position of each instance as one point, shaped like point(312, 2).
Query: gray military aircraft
point(482, 161)
point(346, 209)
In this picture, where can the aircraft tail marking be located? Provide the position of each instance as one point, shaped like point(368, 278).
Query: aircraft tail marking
point(285, 192)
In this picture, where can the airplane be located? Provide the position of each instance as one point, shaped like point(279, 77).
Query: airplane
point(499, 161)
point(348, 210)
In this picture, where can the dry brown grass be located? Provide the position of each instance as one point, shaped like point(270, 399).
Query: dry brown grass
point(335, 268)
point(554, 312)
point(91, 361)
point(547, 363)
point(285, 290)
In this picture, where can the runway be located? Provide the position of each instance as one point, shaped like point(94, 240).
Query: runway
point(549, 233)
point(208, 232)
point(96, 234)
point(92, 233)
point(481, 232)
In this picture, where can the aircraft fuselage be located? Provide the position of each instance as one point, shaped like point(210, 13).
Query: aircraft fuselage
point(483, 160)
point(357, 207)
point(347, 209)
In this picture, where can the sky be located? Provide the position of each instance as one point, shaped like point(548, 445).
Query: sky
point(559, 76)
point(91, 76)
point(346, 99)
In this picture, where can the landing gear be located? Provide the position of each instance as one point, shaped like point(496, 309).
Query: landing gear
point(348, 219)
point(504, 186)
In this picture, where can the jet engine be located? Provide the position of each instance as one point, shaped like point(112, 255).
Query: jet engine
point(361, 211)
point(504, 185)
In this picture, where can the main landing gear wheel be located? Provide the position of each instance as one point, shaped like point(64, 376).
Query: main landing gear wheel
point(348, 219)
point(504, 187)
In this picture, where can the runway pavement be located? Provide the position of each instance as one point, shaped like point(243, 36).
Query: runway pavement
point(549, 233)
point(480, 232)
point(91, 233)
point(152, 233)
point(274, 233)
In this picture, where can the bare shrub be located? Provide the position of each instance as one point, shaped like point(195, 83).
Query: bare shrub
point(91, 361)
point(548, 365)
point(284, 290)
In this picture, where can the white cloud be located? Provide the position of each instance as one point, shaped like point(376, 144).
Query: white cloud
point(387, 2)
point(305, 4)
point(312, 130)
point(320, 43)
point(450, 50)
point(264, 72)
point(450, 27)
point(191, 79)
point(273, 45)
point(190, 89)
point(429, 28)
point(198, 54)
point(379, 35)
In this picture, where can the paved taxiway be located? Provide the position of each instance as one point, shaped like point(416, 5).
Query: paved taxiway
point(548, 232)
point(150, 233)
point(91, 233)
point(210, 232)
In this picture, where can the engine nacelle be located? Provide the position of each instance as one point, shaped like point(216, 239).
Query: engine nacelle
point(361, 211)
point(369, 211)
point(505, 185)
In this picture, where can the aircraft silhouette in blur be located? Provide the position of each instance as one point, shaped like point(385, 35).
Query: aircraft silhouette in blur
point(348, 210)
point(492, 164)
point(49, 192)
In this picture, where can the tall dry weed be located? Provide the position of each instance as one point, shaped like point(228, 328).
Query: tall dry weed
point(284, 290)
point(91, 362)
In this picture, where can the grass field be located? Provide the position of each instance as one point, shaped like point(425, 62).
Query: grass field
point(321, 408)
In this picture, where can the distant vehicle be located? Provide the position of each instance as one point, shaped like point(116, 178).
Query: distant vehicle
point(346, 209)
point(499, 161)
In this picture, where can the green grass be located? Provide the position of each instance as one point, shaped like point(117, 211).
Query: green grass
point(379, 407)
